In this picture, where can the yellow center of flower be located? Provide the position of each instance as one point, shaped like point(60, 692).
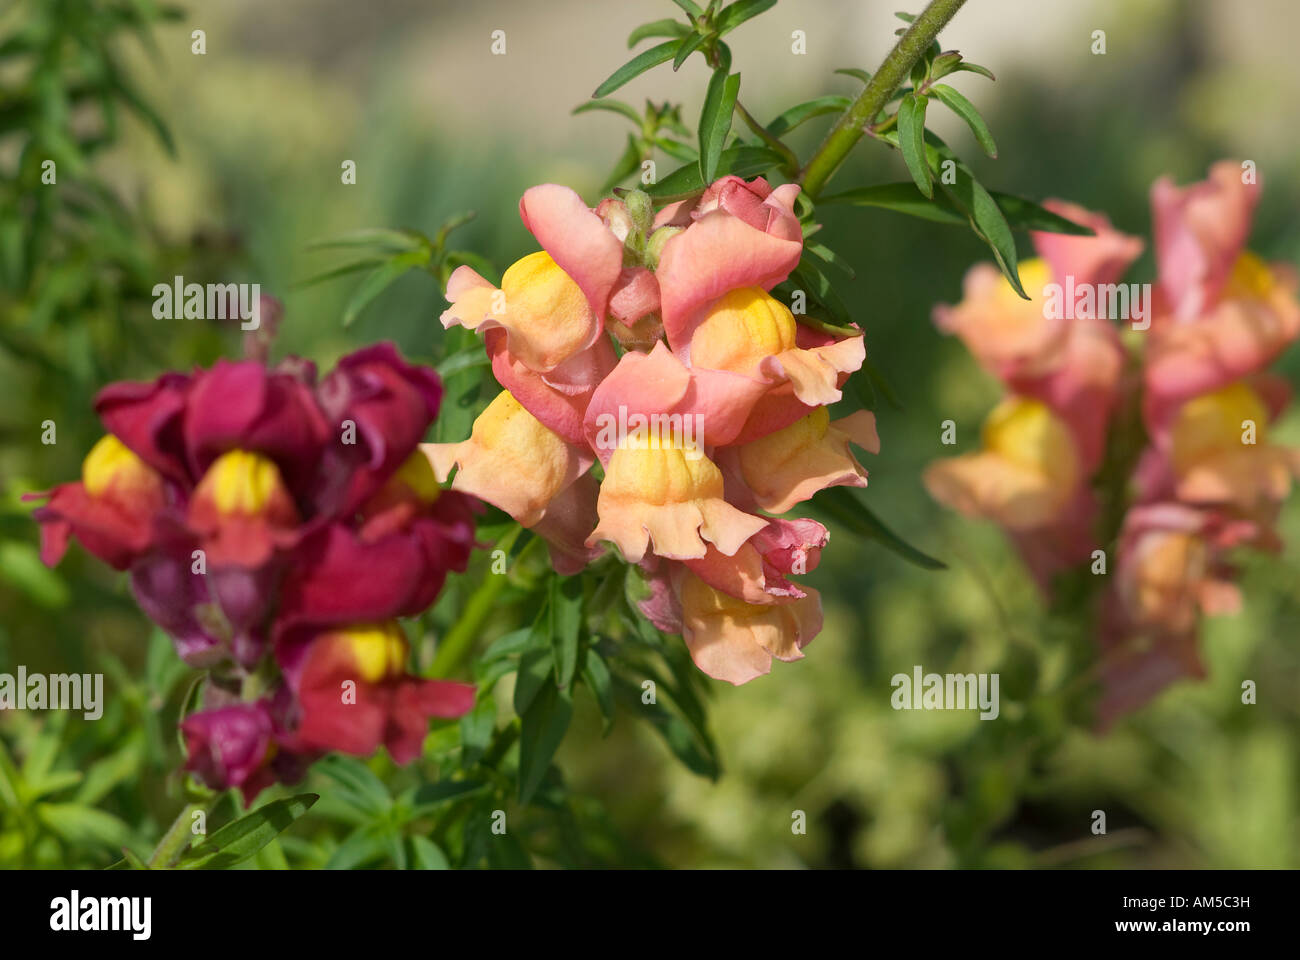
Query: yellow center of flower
point(740, 330)
point(111, 462)
point(521, 442)
point(416, 474)
point(1216, 422)
point(770, 453)
point(240, 482)
point(544, 305)
point(378, 650)
point(1026, 433)
point(1251, 278)
point(663, 471)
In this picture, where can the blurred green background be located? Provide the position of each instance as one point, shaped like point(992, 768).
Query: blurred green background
point(436, 124)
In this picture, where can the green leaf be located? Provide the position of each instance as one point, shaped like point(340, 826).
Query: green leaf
point(715, 121)
point(842, 506)
point(1024, 214)
point(985, 215)
point(430, 796)
point(805, 111)
point(390, 241)
point(361, 788)
point(637, 66)
point(464, 360)
point(687, 46)
point(236, 842)
point(1021, 214)
point(76, 824)
point(737, 13)
point(657, 28)
point(827, 255)
point(681, 738)
point(681, 152)
point(516, 641)
point(959, 105)
point(595, 674)
point(911, 140)
point(862, 75)
point(380, 280)
point(743, 161)
point(21, 567)
point(612, 106)
point(542, 730)
point(566, 626)
point(339, 271)
point(535, 668)
point(901, 198)
point(692, 10)
point(427, 855)
point(627, 164)
point(974, 68)
point(366, 844)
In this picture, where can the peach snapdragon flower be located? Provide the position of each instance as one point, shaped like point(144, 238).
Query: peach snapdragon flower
point(658, 400)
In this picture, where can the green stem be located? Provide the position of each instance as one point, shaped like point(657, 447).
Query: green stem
point(459, 640)
point(177, 836)
point(791, 161)
point(849, 129)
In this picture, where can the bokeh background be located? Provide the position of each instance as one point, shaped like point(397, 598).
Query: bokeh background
point(436, 124)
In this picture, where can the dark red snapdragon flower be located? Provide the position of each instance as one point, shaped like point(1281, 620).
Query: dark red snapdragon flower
point(257, 509)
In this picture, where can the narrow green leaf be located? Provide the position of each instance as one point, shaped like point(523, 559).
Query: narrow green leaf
point(391, 241)
point(340, 271)
point(516, 641)
point(944, 64)
point(692, 10)
point(427, 855)
point(1021, 214)
point(827, 255)
point(737, 13)
point(688, 46)
point(430, 796)
point(840, 504)
point(862, 75)
point(803, 112)
point(678, 151)
point(911, 140)
point(969, 67)
point(366, 844)
point(901, 198)
point(566, 626)
point(380, 280)
point(360, 788)
point(959, 105)
point(535, 667)
point(985, 215)
point(595, 674)
point(743, 161)
point(236, 842)
point(77, 825)
point(657, 28)
point(627, 164)
point(611, 106)
point(542, 729)
point(1024, 214)
point(637, 66)
point(715, 121)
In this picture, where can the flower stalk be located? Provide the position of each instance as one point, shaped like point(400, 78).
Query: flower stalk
point(893, 72)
